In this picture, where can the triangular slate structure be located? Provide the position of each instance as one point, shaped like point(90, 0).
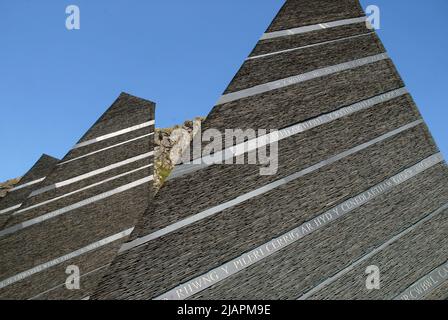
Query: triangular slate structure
point(84, 210)
point(31, 181)
point(360, 180)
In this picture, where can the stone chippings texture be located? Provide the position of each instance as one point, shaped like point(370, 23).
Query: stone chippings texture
point(152, 268)
point(63, 216)
point(43, 167)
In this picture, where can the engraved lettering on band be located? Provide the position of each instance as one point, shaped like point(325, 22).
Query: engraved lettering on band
point(271, 186)
point(372, 253)
point(263, 140)
point(278, 84)
point(427, 284)
point(234, 266)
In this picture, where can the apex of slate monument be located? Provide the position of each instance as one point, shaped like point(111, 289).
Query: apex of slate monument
point(360, 181)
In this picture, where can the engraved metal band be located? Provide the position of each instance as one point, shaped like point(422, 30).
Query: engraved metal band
point(278, 84)
point(114, 134)
point(10, 208)
point(271, 186)
point(263, 140)
point(314, 27)
point(80, 190)
point(427, 284)
point(27, 184)
point(247, 259)
point(62, 284)
point(308, 46)
point(74, 254)
point(107, 148)
point(372, 253)
point(90, 174)
point(74, 206)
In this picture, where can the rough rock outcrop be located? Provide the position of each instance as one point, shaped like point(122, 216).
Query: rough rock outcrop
point(170, 143)
point(7, 185)
point(169, 146)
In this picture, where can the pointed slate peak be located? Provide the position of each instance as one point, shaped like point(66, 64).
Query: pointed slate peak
point(75, 222)
point(41, 168)
point(137, 99)
point(356, 179)
point(31, 181)
point(45, 156)
point(299, 13)
point(305, 36)
point(125, 112)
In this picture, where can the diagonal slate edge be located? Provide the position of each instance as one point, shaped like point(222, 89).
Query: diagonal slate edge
point(84, 209)
point(360, 180)
point(31, 181)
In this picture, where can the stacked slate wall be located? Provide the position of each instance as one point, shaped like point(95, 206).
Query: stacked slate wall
point(84, 209)
point(360, 180)
point(31, 181)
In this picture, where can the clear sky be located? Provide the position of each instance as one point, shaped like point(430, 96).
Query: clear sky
point(55, 83)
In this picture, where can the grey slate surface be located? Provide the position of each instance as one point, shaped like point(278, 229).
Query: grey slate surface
point(253, 72)
point(309, 38)
point(298, 13)
point(66, 232)
point(441, 293)
point(314, 146)
point(39, 170)
point(284, 107)
point(319, 255)
point(401, 264)
point(149, 270)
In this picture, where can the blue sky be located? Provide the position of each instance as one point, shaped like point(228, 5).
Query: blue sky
point(55, 83)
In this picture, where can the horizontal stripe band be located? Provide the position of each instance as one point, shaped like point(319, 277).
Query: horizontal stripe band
point(10, 209)
point(74, 206)
point(314, 27)
point(264, 140)
point(62, 259)
point(424, 286)
point(234, 266)
point(271, 186)
point(278, 84)
point(63, 284)
point(104, 149)
point(308, 46)
point(372, 253)
point(27, 184)
point(114, 134)
point(80, 190)
point(90, 174)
